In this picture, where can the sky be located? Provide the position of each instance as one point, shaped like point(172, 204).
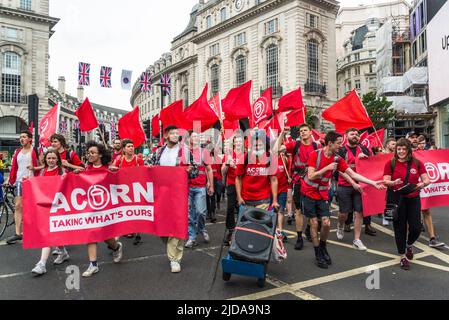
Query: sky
point(109, 33)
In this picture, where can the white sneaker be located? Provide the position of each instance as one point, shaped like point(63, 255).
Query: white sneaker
point(206, 236)
point(90, 271)
point(385, 222)
point(39, 269)
point(340, 233)
point(118, 255)
point(190, 244)
point(175, 267)
point(63, 257)
point(358, 244)
point(56, 251)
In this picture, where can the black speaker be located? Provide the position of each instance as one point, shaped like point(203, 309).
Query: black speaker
point(253, 237)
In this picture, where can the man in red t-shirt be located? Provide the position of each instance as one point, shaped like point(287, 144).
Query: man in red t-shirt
point(118, 151)
point(315, 189)
point(301, 151)
point(256, 183)
point(128, 159)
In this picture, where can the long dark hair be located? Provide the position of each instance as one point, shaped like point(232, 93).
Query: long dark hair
point(59, 163)
point(407, 144)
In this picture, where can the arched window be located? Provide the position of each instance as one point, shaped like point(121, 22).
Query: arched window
point(312, 63)
point(215, 78)
point(272, 53)
point(11, 77)
point(240, 70)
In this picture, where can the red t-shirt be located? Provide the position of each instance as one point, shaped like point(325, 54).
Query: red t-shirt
point(51, 173)
point(400, 172)
point(200, 160)
point(282, 177)
point(115, 155)
point(256, 181)
point(91, 168)
point(301, 158)
point(313, 192)
point(121, 162)
point(76, 161)
point(216, 168)
point(235, 160)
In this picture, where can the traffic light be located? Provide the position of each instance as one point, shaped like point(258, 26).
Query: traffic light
point(76, 135)
point(147, 128)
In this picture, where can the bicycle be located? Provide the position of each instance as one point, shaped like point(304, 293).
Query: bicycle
point(7, 209)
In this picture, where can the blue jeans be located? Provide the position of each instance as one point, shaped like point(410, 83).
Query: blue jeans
point(197, 211)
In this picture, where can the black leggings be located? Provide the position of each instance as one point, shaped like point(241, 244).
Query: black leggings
point(232, 207)
point(409, 217)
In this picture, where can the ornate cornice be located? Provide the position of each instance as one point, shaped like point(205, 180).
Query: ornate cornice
point(28, 15)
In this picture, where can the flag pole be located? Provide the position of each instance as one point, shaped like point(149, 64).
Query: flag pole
point(102, 136)
point(375, 130)
point(285, 166)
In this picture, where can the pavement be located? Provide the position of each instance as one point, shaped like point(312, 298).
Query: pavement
point(145, 274)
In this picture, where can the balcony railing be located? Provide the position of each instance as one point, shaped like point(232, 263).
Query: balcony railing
point(277, 90)
point(13, 99)
point(315, 88)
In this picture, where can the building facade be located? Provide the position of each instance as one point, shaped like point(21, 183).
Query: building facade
point(25, 29)
point(68, 123)
point(281, 44)
point(358, 41)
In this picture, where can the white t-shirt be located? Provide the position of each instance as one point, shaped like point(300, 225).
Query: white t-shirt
point(23, 161)
point(169, 156)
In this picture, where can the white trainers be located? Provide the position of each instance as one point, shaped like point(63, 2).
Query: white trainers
point(385, 222)
point(61, 258)
point(190, 244)
point(358, 244)
point(91, 271)
point(340, 233)
point(175, 267)
point(118, 255)
point(56, 251)
point(39, 269)
point(206, 236)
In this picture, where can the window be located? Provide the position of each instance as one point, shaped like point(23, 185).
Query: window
point(372, 82)
point(223, 14)
point(240, 39)
point(357, 71)
point(240, 70)
point(358, 86)
point(272, 53)
point(357, 57)
point(348, 86)
point(214, 50)
point(372, 53)
point(271, 26)
point(11, 78)
point(215, 79)
point(312, 21)
point(208, 22)
point(423, 42)
point(185, 97)
point(25, 4)
point(12, 33)
point(312, 62)
point(372, 68)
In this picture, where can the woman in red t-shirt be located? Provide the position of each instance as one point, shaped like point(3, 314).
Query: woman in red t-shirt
point(52, 168)
point(99, 158)
point(405, 176)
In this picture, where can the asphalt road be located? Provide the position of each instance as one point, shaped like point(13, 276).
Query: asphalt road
point(144, 272)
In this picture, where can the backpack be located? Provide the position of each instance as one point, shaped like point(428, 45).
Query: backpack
point(299, 144)
point(343, 152)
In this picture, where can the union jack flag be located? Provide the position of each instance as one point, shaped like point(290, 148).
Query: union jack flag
point(105, 77)
point(145, 82)
point(84, 74)
point(63, 126)
point(166, 84)
point(76, 124)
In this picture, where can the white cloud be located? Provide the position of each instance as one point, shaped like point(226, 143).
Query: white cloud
point(119, 34)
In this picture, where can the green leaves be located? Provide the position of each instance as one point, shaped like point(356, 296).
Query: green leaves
point(379, 109)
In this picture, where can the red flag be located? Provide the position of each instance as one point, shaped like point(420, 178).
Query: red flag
point(263, 107)
point(347, 113)
point(230, 127)
point(215, 104)
point(200, 111)
point(296, 118)
point(48, 126)
point(155, 127)
point(86, 116)
point(291, 101)
point(374, 140)
point(318, 136)
point(364, 136)
point(273, 128)
point(129, 127)
point(237, 103)
point(173, 115)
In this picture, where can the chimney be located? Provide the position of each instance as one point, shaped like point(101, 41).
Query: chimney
point(61, 85)
point(80, 94)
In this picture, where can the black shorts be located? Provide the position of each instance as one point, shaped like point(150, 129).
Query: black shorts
point(315, 208)
point(349, 200)
point(297, 196)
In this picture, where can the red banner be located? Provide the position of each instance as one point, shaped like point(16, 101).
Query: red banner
point(92, 207)
point(435, 195)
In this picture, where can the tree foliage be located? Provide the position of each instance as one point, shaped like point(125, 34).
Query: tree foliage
point(379, 109)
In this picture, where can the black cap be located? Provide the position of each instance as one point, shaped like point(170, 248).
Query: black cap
point(411, 134)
